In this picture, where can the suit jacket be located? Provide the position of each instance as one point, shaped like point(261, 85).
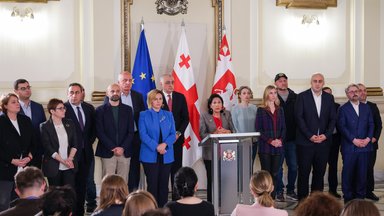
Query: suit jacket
point(51, 145)
point(307, 120)
point(151, 123)
point(137, 103)
point(87, 136)
point(13, 145)
point(23, 207)
point(353, 126)
point(377, 121)
point(208, 126)
point(106, 130)
point(257, 209)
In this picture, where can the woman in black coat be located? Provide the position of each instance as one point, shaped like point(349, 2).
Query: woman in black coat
point(16, 144)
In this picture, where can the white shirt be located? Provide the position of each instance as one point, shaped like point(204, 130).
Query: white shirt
point(317, 99)
point(166, 96)
point(127, 100)
point(26, 108)
point(16, 125)
point(74, 107)
point(63, 145)
point(355, 107)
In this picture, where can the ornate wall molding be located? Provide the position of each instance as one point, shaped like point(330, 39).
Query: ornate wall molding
point(317, 4)
point(219, 23)
point(171, 7)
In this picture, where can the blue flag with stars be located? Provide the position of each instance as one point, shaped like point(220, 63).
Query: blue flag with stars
point(142, 73)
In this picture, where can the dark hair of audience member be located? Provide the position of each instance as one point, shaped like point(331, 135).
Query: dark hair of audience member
point(52, 104)
point(261, 186)
point(319, 204)
point(139, 202)
point(113, 188)
point(17, 82)
point(158, 212)
point(5, 100)
point(58, 201)
point(185, 182)
point(29, 177)
point(360, 207)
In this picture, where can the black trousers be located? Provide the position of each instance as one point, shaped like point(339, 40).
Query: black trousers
point(134, 166)
point(157, 181)
point(177, 164)
point(271, 163)
point(333, 161)
point(208, 168)
point(81, 181)
point(370, 171)
point(311, 158)
point(63, 177)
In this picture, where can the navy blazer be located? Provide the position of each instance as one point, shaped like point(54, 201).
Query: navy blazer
point(88, 135)
point(150, 125)
point(106, 130)
point(13, 145)
point(378, 123)
point(51, 145)
point(309, 123)
point(352, 126)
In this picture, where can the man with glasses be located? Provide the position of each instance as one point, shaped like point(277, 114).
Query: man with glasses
point(176, 103)
point(356, 127)
point(83, 116)
point(35, 112)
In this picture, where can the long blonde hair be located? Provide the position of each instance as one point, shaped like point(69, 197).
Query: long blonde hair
point(113, 188)
point(261, 186)
point(138, 203)
point(264, 102)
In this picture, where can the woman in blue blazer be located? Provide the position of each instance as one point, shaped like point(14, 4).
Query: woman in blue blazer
point(157, 133)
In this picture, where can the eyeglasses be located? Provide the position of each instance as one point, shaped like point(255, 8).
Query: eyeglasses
point(169, 82)
point(354, 92)
point(25, 88)
point(61, 108)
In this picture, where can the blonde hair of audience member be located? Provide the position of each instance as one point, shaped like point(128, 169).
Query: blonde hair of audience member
point(151, 96)
point(138, 203)
point(114, 190)
point(319, 204)
point(261, 186)
point(359, 207)
point(264, 102)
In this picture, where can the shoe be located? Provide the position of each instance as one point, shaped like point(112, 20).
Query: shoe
point(280, 197)
point(372, 196)
point(292, 195)
point(335, 194)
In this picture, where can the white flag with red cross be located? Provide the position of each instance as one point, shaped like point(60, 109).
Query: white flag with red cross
point(185, 84)
point(225, 81)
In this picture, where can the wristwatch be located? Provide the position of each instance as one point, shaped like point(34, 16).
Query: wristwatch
point(178, 133)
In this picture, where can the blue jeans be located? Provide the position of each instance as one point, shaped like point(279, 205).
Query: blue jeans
point(291, 161)
point(91, 187)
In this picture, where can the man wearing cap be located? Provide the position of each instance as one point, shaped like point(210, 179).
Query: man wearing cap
point(287, 99)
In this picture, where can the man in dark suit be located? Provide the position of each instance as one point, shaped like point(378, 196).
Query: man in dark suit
point(114, 129)
point(375, 140)
point(356, 126)
point(176, 103)
point(83, 116)
point(315, 118)
point(35, 112)
point(333, 157)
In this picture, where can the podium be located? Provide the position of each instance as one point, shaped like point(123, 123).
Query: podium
point(231, 169)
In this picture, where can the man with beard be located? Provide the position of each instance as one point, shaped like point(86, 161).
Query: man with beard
point(355, 124)
point(114, 129)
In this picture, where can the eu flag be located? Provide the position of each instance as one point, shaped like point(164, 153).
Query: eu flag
point(142, 73)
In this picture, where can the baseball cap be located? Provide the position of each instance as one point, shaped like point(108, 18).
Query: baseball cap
point(279, 75)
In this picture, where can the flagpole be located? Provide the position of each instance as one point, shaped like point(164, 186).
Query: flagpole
point(142, 24)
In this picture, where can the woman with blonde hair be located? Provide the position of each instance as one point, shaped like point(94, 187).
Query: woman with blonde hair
point(114, 191)
point(261, 186)
point(270, 122)
point(138, 203)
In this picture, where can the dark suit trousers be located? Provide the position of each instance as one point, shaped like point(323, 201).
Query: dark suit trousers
point(177, 164)
point(370, 173)
point(81, 181)
point(208, 168)
point(272, 164)
point(333, 161)
point(354, 175)
point(134, 167)
point(157, 181)
point(309, 158)
point(63, 177)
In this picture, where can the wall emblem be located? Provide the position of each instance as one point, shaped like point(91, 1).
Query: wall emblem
point(171, 7)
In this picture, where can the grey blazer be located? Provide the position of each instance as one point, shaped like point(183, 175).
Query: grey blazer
point(208, 126)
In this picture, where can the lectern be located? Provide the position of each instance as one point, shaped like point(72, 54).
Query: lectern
point(231, 169)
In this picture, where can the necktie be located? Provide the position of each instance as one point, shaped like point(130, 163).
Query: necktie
point(170, 102)
point(80, 117)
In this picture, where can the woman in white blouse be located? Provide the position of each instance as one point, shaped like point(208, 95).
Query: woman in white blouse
point(244, 115)
point(60, 146)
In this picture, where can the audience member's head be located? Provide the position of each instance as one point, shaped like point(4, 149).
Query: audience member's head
point(185, 182)
point(261, 186)
point(58, 201)
point(319, 204)
point(359, 207)
point(30, 182)
point(138, 203)
point(158, 212)
point(114, 190)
